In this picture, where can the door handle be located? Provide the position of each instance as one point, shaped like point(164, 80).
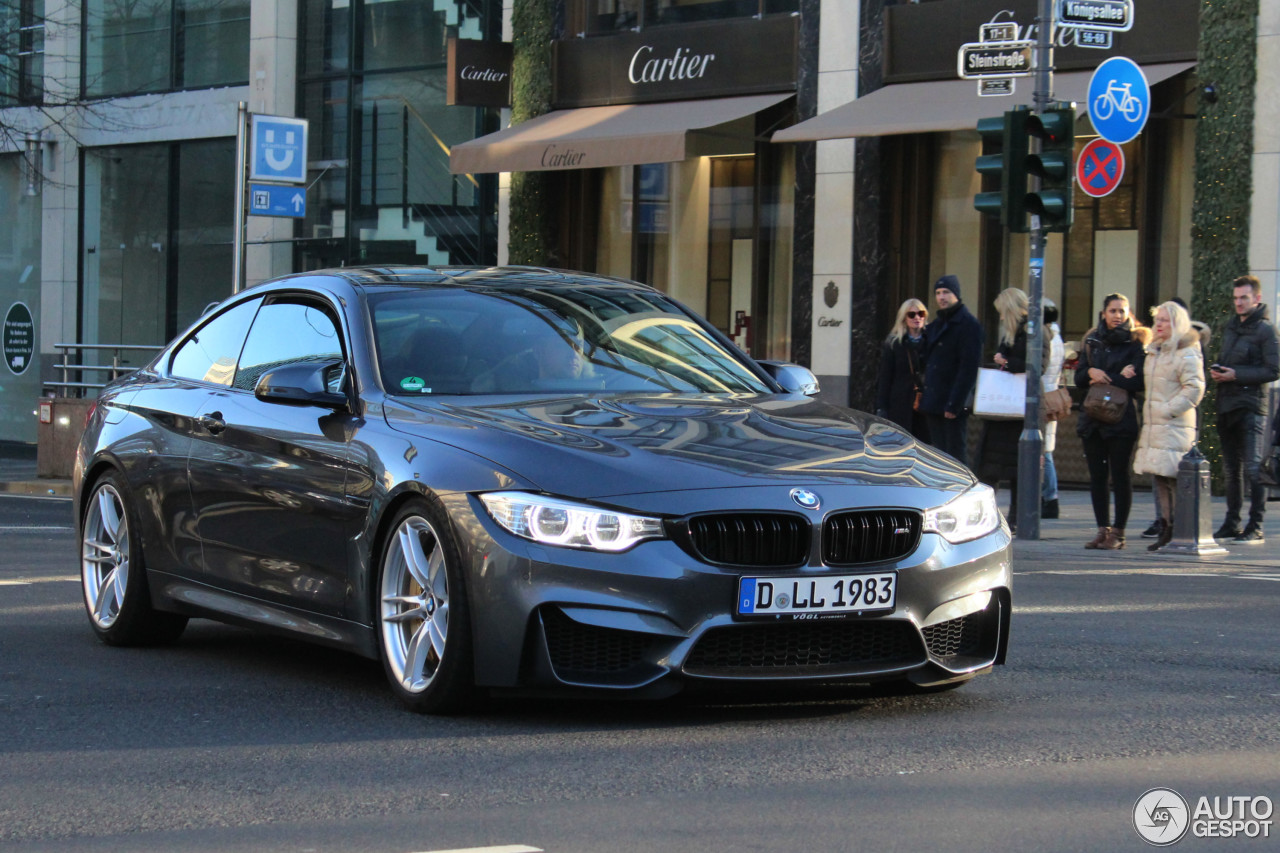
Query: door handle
point(213, 422)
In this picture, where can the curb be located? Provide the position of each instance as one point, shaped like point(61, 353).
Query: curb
point(37, 488)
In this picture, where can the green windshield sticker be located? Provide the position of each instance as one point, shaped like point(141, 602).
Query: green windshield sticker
point(413, 383)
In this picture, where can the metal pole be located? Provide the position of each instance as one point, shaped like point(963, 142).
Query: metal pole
point(1031, 442)
point(242, 149)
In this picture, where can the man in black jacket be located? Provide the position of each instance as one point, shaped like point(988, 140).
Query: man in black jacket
point(1248, 360)
point(953, 353)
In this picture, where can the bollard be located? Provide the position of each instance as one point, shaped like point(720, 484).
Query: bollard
point(1193, 510)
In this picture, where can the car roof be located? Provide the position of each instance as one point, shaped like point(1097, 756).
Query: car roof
point(485, 278)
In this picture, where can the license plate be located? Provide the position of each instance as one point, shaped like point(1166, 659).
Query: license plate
point(817, 595)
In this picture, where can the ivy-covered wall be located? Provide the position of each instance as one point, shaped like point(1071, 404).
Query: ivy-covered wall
point(1224, 176)
point(533, 29)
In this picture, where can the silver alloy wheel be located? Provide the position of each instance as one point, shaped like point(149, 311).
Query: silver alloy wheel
point(415, 604)
point(104, 556)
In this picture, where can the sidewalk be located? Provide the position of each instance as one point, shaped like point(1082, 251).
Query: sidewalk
point(1061, 542)
point(18, 473)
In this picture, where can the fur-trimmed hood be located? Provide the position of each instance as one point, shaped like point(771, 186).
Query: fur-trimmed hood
point(1191, 338)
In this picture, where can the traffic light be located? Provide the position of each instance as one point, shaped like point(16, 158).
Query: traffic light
point(1010, 132)
point(1054, 165)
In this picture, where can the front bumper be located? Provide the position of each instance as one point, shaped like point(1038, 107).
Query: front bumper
point(655, 619)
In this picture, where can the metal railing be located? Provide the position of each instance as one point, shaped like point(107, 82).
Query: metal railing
point(117, 368)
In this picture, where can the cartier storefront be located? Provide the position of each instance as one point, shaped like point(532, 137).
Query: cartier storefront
point(658, 143)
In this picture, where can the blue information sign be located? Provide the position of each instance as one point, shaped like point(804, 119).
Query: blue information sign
point(1119, 100)
point(268, 200)
point(278, 149)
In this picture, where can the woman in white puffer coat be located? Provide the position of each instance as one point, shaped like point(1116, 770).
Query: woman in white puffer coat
point(1174, 374)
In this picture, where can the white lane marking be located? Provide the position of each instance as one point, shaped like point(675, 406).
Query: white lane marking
point(47, 579)
point(32, 528)
point(40, 609)
point(504, 848)
point(1116, 608)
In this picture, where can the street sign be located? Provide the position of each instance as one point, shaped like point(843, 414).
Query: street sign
point(278, 149)
point(1116, 15)
point(994, 59)
point(1100, 39)
point(1003, 31)
point(19, 338)
point(1119, 100)
point(990, 87)
point(269, 200)
point(1100, 168)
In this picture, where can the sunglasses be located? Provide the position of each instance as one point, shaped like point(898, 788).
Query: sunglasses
point(913, 314)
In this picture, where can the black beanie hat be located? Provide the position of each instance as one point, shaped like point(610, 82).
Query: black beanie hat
point(948, 282)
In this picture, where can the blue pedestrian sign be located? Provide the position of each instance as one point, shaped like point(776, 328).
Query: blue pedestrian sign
point(1119, 100)
point(278, 149)
point(268, 200)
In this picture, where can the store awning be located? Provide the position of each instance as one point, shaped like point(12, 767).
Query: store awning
point(594, 137)
point(939, 105)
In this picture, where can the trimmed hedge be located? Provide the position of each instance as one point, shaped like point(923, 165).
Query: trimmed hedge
point(1224, 178)
point(530, 231)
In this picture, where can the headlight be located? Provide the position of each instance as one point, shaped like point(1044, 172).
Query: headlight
point(556, 522)
point(969, 516)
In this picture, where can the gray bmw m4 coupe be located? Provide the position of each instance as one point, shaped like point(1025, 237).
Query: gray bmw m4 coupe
point(528, 479)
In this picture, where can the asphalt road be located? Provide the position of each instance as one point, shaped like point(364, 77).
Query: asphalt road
point(1123, 676)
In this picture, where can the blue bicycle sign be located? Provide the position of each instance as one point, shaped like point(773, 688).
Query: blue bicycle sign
point(1119, 100)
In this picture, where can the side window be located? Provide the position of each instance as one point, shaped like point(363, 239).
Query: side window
point(210, 354)
point(287, 333)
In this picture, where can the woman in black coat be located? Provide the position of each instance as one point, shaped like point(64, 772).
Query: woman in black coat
point(1112, 353)
point(902, 370)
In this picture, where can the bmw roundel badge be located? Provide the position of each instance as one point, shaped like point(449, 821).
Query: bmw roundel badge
point(806, 498)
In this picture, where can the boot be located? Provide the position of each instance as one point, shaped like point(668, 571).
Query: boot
point(1165, 537)
point(1049, 509)
point(1114, 540)
point(1099, 539)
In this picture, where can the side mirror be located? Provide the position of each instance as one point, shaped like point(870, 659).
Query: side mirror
point(793, 378)
point(303, 384)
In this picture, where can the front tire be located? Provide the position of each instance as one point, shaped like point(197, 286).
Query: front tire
point(113, 573)
point(423, 619)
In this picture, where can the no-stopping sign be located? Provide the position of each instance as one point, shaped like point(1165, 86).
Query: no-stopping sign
point(1100, 168)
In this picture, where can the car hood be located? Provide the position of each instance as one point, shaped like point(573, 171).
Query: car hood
point(597, 447)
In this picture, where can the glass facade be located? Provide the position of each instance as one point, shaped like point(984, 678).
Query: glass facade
point(373, 87)
point(21, 52)
point(135, 46)
point(611, 16)
point(157, 223)
point(20, 217)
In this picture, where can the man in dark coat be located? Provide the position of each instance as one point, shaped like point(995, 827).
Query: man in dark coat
point(1248, 360)
point(953, 353)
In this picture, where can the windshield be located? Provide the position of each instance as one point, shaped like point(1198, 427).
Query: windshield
point(552, 340)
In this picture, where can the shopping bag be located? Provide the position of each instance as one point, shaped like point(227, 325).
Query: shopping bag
point(1000, 395)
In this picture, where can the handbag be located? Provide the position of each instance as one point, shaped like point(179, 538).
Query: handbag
point(1000, 395)
point(1057, 404)
point(1270, 473)
point(1105, 403)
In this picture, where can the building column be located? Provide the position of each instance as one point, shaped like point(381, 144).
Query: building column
point(273, 86)
point(1264, 219)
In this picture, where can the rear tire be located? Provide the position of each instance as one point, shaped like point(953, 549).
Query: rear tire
point(113, 572)
point(424, 625)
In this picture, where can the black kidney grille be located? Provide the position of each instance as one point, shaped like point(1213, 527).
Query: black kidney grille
point(804, 649)
point(750, 539)
point(869, 536)
point(579, 650)
point(961, 636)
